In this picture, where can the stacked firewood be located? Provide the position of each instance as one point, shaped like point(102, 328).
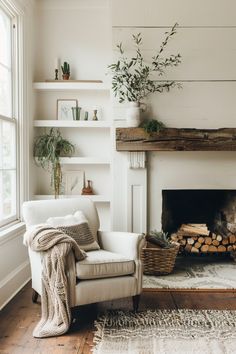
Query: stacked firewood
point(196, 238)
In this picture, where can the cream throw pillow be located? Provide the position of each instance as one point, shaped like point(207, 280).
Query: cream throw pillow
point(76, 226)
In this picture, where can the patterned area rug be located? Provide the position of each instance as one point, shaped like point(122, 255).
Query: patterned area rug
point(166, 332)
point(196, 273)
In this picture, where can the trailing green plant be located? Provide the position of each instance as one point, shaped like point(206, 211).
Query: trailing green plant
point(159, 238)
point(152, 126)
point(48, 148)
point(65, 68)
point(132, 78)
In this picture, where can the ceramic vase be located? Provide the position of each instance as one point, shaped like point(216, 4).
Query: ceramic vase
point(133, 116)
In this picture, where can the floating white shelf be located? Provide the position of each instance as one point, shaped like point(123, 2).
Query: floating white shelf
point(73, 123)
point(70, 85)
point(94, 198)
point(85, 160)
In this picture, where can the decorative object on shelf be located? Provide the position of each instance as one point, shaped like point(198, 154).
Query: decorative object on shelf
point(152, 126)
point(159, 254)
point(134, 114)
point(65, 71)
point(56, 74)
point(76, 112)
point(86, 115)
point(48, 148)
point(56, 68)
point(74, 182)
point(64, 108)
point(95, 112)
point(88, 190)
point(132, 78)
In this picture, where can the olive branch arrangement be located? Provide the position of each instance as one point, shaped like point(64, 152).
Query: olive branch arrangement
point(131, 77)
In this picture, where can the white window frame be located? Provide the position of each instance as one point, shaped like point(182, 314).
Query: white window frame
point(20, 98)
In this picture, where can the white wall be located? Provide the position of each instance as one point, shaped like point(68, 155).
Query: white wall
point(76, 31)
point(14, 265)
point(206, 41)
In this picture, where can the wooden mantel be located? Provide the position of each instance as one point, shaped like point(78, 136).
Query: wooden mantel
point(173, 139)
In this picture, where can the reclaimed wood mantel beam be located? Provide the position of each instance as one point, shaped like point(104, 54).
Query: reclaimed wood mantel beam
point(173, 139)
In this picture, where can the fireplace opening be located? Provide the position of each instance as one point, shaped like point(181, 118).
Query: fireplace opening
point(215, 208)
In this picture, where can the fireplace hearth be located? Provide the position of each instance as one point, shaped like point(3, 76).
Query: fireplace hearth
point(200, 220)
point(216, 208)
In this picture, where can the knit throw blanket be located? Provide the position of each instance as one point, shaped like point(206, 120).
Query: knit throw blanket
point(59, 253)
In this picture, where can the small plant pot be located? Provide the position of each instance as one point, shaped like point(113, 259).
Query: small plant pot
point(65, 76)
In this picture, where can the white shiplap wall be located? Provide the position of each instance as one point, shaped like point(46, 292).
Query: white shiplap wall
point(206, 40)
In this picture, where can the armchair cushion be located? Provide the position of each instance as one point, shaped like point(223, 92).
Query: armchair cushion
point(104, 264)
point(38, 211)
point(76, 226)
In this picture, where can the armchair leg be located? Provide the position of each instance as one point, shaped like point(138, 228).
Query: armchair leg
point(135, 299)
point(34, 296)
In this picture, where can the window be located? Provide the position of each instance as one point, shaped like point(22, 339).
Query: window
point(8, 123)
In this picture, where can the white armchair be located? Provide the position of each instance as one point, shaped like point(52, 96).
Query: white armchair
point(113, 272)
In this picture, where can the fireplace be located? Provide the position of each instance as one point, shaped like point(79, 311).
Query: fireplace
point(198, 213)
point(198, 206)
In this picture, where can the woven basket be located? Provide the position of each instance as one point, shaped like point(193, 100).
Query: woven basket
point(158, 261)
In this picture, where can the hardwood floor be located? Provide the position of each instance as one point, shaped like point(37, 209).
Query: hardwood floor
point(20, 316)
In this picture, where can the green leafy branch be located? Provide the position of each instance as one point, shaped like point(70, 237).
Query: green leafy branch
point(131, 78)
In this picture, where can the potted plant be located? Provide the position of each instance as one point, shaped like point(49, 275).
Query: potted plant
point(65, 71)
point(47, 151)
point(152, 126)
point(132, 78)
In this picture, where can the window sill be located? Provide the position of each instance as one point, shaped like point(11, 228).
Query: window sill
point(11, 232)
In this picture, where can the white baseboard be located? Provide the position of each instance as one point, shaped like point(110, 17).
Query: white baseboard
point(14, 282)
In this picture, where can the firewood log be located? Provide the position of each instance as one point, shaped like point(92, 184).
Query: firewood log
point(158, 241)
point(212, 248)
point(197, 244)
point(225, 241)
point(194, 230)
point(183, 242)
point(221, 248)
point(194, 250)
point(181, 234)
point(232, 239)
point(190, 241)
point(215, 243)
point(201, 239)
point(213, 236)
point(204, 248)
point(198, 225)
point(229, 248)
point(219, 238)
point(208, 240)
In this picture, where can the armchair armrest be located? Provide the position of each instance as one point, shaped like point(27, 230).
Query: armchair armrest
point(125, 243)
